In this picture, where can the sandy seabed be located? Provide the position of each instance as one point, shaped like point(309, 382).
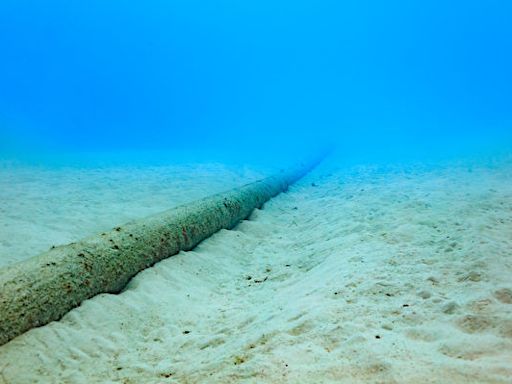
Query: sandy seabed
point(355, 275)
point(42, 207)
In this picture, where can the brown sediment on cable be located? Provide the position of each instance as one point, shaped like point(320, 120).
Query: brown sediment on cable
point(44, 288)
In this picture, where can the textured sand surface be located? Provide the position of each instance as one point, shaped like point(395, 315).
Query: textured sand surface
point(41, 207)
point(363, 275)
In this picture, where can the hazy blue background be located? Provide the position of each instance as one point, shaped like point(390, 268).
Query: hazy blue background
point(394, 77)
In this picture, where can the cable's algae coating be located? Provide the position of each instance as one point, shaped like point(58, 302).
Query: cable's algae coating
point(44, 288)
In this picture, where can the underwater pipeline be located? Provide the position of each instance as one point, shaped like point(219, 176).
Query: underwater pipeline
point(44, 288)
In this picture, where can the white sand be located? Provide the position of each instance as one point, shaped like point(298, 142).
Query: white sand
point(41, 206)
point(377, 276)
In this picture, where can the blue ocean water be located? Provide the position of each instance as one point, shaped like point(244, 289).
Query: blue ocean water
point(260, 79)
